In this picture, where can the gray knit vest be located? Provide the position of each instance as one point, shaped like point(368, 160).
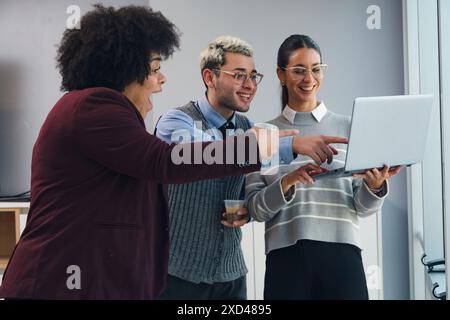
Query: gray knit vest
point(201, 248)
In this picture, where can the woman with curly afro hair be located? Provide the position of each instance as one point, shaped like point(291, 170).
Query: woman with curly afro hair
point(98, 223)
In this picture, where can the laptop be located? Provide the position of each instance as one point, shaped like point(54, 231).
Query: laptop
point(389, 130)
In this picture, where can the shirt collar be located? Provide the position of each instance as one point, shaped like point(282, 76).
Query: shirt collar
point(318, 113)
point(214, 119)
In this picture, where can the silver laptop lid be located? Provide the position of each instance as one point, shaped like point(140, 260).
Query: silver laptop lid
point(388, 130)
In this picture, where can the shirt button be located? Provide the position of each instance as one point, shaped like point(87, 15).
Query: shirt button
point(217, 260)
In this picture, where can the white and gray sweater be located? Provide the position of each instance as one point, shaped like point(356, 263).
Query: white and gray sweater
point(327, 210)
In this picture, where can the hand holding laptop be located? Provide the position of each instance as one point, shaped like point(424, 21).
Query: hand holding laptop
point(375, 178)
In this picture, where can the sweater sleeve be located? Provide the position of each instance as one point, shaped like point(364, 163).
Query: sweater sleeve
point(265, 201)
point(108, 130)
point(366, 202)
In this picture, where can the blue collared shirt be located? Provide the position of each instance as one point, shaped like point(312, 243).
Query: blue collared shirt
point(174, 120)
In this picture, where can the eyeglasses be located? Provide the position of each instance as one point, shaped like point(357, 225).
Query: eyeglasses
point(241, 77)
point(299, 73)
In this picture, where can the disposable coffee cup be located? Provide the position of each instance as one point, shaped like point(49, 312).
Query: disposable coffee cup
point(271, 129)
point(231, 208)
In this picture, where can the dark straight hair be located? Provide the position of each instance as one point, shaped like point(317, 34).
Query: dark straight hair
point(289, 45)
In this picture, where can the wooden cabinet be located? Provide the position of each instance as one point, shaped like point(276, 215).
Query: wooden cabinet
point(12, 222)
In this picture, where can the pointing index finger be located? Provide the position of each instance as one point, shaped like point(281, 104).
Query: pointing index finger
point(331, 139)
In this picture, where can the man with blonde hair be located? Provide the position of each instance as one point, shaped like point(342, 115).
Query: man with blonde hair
point(206, 260)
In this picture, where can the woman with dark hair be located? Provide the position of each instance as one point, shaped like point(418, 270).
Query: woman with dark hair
point(312, 232)
point(97, 225)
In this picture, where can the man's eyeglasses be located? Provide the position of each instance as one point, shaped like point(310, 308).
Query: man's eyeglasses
point(299, 73)
point(241, 77)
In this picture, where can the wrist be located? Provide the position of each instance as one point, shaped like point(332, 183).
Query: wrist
point(296, 145)
point(285, 185)
point(376, 189)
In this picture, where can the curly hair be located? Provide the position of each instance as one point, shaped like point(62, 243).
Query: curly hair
point(112, 47)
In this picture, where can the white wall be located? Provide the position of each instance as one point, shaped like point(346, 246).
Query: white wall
point(444, 27)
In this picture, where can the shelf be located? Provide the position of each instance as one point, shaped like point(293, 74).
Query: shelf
point(9, 233)
point(3, 262)
point(11, 214)
point(9, 205)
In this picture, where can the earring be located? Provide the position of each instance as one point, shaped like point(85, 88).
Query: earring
point(282, 84)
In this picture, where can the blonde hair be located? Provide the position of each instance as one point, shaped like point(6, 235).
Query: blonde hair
point(214, 55)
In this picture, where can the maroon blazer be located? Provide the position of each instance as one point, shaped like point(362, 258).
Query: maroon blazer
point(97, 204)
